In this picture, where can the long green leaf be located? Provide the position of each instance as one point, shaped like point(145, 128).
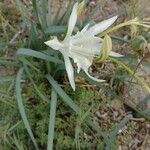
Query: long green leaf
point(30, 52)
point(66, 15)
point(35, 9)
point(28, 63)
point(113, 134)
point(52, 120)
point(44, 13)
point(62, 94)
point(33, 41)
point(49, 12)
point(120, 125)
point(54, 30)
point(72, 105)
point(21, 106)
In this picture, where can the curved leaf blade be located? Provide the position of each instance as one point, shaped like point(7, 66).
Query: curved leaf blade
point(62, 94)
point(52, 120)
point(21, 107)
point(33, 53)
point(74, 106)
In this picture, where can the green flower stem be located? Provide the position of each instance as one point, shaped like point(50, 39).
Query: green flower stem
point(141, 81)
point(128, 23)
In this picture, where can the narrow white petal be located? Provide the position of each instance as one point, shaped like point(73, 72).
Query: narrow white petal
point(54, 43)
point(114, 54)
point(78, 69)
point(85, 28)
point(72, 20)
point(100, 27)
point(70, 71)
point(98, 80)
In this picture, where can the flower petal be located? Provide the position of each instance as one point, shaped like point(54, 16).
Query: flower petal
point(72, 20)
point(114, 54)
point(70, 71)
point(54, 43)
point(100, 27)
point(95, 79)
point(85, 28)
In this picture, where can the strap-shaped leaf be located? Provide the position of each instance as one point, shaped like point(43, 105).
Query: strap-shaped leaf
point(33, 53)
point(72, 105)
point(21, 106)
point(53, 104)
point(62, 94)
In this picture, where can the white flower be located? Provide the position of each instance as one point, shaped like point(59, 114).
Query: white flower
point(81, 47)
